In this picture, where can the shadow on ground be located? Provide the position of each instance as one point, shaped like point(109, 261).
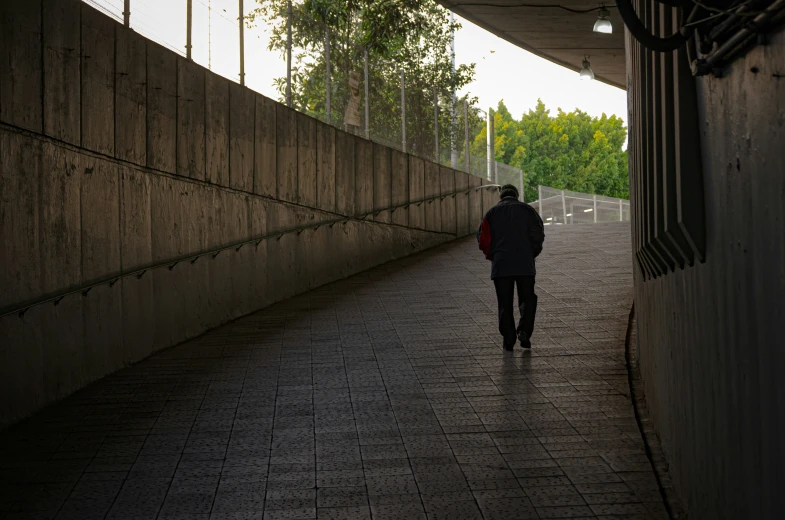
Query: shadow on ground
point(386, 395)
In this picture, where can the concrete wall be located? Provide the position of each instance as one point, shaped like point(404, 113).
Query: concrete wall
point(116, 153)
point(710, 342)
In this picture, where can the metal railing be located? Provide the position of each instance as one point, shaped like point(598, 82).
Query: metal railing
point(558, 207)
point(170, 264)
point(355, 95)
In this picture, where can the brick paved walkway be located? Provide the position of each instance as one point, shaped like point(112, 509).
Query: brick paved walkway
point(383, 396)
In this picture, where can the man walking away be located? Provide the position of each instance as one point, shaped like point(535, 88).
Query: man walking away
point(511, 236)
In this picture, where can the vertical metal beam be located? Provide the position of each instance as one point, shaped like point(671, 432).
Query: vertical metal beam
point(403, 111)
point(563, 207)
point(436, 151)
point(521, 184)
point(466, 137)
point(595, 209)
point(453, 129)
point(288, 53)
point(539, 198)
point(490, 145)
point(328, 79)
point(127, 13)
point(367, 99)
point(209, 35)
point(242, 43)
point(189, 21)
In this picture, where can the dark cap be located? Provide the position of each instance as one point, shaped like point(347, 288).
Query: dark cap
point(508, 190)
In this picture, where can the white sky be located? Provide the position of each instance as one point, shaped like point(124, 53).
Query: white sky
point(519, 78)
point(509, 73)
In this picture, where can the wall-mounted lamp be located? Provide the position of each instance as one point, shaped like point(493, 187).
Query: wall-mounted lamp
point(603, 25)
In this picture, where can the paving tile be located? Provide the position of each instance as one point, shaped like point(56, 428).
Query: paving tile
point(413, 509)
point(503, 508)
point(344, 513)
point(342, 497)
point(384, 396)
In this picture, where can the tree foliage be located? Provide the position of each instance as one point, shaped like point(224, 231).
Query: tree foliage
point(412, 36)
point(569, 150)
point(572, 151)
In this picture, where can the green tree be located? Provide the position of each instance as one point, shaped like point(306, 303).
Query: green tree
point(412, 36)
point(570, 150)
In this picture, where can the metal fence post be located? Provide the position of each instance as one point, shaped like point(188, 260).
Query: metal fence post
point(127, 13)
point(595, 209)
point(328, 80)
point(621, 210)
point(403, 111)
point(189, 21)
point(209, 36)
point(454, 126)
point(563, 207)
point(437, 155)
point(288, 53)
point(466, 136)
point(539, 196)
point(521, 182)
point(242, 44)
point(367, 106)
point(490, 145)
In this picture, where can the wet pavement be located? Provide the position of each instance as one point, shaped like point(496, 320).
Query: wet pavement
point(384, 396)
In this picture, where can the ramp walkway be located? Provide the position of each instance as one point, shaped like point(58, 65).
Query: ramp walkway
point(386, 395)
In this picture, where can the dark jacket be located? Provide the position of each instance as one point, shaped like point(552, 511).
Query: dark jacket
point(511, 235)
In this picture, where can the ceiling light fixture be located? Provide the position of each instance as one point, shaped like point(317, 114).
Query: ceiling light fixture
point(588, 210)
point(603, 25)
point(586, 72)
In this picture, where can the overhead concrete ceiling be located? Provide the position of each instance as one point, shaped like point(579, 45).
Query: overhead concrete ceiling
point(556, 34)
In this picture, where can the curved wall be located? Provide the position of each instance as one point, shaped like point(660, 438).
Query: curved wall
point(116, 153)
point(710, 340)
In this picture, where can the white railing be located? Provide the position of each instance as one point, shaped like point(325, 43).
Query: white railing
point(558, 207)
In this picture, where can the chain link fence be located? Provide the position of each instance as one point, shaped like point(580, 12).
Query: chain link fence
point(326, 77)
point(558, 207)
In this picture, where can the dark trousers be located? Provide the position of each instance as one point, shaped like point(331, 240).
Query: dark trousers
point(527, 305)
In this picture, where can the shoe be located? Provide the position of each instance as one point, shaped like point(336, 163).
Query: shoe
point(524, 339)
point(509, 346)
